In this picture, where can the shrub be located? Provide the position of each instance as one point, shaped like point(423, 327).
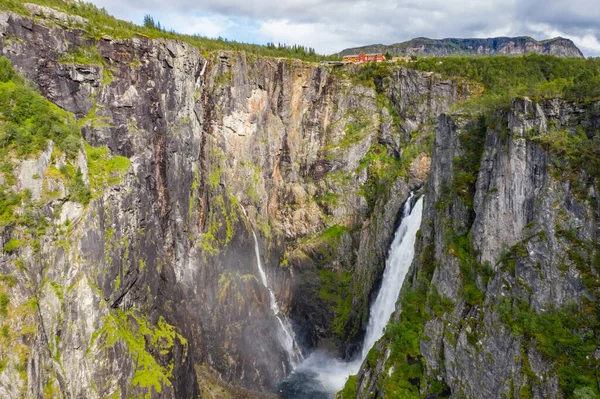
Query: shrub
point(29, 119)
point(78, 191)
point(12, 245)
point(4, 301)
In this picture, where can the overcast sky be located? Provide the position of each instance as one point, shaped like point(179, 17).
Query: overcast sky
point(332, 25)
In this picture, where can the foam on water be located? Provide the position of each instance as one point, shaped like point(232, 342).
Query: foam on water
point(320, 376)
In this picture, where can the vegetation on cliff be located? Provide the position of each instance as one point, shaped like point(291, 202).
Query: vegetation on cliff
point(41, 147)
point(536, 76)
point(423, 46)
point(565, 337)
point(99, 22)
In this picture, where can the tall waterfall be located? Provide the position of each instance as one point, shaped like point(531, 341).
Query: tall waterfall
point(402, 252)
point(285, 334)
point(320, 375)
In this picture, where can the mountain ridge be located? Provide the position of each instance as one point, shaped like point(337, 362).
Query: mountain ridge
point(422, 46)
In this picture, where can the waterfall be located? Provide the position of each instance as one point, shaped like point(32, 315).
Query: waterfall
point(285, 334)
point(320, 375)
point(402, 252)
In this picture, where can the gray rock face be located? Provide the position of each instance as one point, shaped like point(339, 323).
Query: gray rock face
point(515, 220)
point(31, 173)
point(159, 273)
point(125, 296)
point(422, 46)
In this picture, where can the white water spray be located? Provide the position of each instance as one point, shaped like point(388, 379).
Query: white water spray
point(285, 334)
point(402, 252)
point(332, 373)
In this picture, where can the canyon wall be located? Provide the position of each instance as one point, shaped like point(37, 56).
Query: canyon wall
point(126, 295)
point(503, 291)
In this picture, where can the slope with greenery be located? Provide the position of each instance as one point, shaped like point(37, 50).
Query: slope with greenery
point(27, 123)
point(536, 76)
point(100, 23)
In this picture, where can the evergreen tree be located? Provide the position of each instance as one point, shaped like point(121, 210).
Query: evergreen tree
point(149, 21)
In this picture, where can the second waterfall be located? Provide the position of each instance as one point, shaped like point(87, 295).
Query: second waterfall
point(285, 333)
point(320, 376)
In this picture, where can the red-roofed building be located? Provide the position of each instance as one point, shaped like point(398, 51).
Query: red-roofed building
point(363, 58)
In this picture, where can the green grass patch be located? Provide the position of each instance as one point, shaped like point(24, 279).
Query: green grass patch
point(28, 120)
point(83, 56)
point(12, 245)
point(104, 169)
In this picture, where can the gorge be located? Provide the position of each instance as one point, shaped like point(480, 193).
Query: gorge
point(193, 223)
point(321, 376)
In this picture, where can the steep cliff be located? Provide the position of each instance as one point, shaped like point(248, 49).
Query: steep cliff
point(128, 264)
point(502, 299)
point(557, 46)
point(125, 295)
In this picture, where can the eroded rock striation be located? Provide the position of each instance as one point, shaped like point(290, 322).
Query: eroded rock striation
point(422, 46)
point(159, 274)
point(152, 289)
point(506, 263)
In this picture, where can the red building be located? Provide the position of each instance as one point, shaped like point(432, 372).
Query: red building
point(363, 58)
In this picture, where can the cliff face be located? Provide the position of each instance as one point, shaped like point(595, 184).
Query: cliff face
point(158, 274)
point(506, 264)
point(152, 289)
point(559, 47)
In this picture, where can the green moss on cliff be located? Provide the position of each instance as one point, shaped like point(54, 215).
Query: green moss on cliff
point(573, 151)
point(83, 56)
point(504, 78)
point(146, 344)
point(100, 23)
point(466, 167)
point(382, 168)
point(474, 275)
point(349, 391)
point(565, 337)
point(29, 120)
point(220, 224)
point(104, 169)
point(336, 294)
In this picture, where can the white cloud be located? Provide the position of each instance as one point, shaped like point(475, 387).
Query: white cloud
point(326, 38)
point(210, 26)
point(587, 42)
point(332, 25)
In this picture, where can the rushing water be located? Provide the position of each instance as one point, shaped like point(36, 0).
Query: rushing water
point(284, 333)
point(320, 376)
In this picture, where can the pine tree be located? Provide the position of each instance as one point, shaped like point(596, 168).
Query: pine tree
point(149, 21)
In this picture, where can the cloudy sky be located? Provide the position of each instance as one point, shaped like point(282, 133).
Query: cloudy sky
point(332, 25)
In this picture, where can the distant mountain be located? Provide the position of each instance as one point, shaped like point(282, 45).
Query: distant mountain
point(422, 46)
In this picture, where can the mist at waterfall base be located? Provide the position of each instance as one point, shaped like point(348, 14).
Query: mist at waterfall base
point(320, 376)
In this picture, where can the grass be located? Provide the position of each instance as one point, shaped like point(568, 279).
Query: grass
point(104, 169)
point(83, 56)
point(504, 78)
point(12, 245)
point(101, 23)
